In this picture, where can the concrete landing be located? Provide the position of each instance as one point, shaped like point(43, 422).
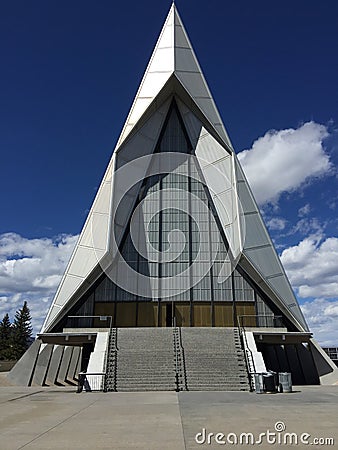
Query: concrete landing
point(58, 418)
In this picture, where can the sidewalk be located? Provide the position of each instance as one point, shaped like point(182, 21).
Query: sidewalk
point(58, 418)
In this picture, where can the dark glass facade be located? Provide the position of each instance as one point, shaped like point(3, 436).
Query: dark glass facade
point(179, 224)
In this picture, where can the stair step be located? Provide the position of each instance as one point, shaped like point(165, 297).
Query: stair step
point(145, 359)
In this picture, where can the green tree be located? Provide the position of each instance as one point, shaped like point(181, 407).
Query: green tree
point(5, 337)
point(21, 332)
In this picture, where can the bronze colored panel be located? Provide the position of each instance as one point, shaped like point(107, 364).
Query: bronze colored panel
point(246, 309)
point(126, 314)
point(202, 315)
point(103, 309)
point(223, 315)
point(163, 314)
point(147, 314)
point(182, 314)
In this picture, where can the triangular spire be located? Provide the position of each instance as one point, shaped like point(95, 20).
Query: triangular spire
point(173, 71)
point(174, 55)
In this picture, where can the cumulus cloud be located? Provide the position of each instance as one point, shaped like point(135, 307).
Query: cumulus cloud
point(282, 161)
point(276, 223)
point(31, 269)
point(304, 210)
point(312, 267)
point(322, 318)
point(308, 226)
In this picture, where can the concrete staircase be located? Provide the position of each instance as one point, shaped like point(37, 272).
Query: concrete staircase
point(148, 359)
point(144, 360)
point(214, 359)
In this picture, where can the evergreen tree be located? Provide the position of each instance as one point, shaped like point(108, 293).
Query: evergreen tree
point(21, 333)
point(5, 338)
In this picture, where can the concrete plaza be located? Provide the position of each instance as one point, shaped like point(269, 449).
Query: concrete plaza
point(58, 418)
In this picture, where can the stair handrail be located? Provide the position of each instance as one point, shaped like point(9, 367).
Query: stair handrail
point(246, 351)
point(183, 358)
point(112, 335)
point(176, 344)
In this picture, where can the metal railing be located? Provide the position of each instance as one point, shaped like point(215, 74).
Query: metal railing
point(247, 355)
point(89, 322)
point(180, 372)
point(253, 321)
point(111, 362)
point(260, 321)
point(91, 381)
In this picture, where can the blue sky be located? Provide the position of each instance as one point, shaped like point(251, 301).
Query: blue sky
point(69, 72)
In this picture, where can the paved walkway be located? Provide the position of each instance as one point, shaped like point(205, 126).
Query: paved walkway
point(58, 418)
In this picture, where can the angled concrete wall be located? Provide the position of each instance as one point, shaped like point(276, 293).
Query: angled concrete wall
point(42, 364)
point(22, 372)
point(71, 375)
point(54, 365)
point(326, 368)
point(78, 366)
point(64, 366)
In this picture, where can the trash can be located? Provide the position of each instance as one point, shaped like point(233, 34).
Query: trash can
point(275, 378)
point(269, 383)
point(259, 383)
point(285, 382)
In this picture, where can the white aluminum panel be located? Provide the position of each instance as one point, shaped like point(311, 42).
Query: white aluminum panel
point(192, 124)
point(126, 130)
point(207, 106)
point(219, 127)
point(84, 261)
point(109, 172)
point(86, 238)
point(52, 313)
point(225, 167)
point(181, 38)
point(163, 61)
point(67, 289)
point(226, 207)
point(140, 106)
point(194, 83)
point(153, 83)
point(215, 180)
point(152, 128)
point(246, 199)
point(256, 234)
point(99, 229)
point(167, 37)
point(102, 201)
point(265, 260)
point(122, 215)
point(239, 171)
point(185, 60)
point(227, 212)
point(162, 65)
point(209, 149)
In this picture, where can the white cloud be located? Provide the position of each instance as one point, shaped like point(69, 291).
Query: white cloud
point(312, 267)
point(31, 269)
point(282, 161)
point(304, 210)
point(307, 226)
point(276, 223)
point(322, 318)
